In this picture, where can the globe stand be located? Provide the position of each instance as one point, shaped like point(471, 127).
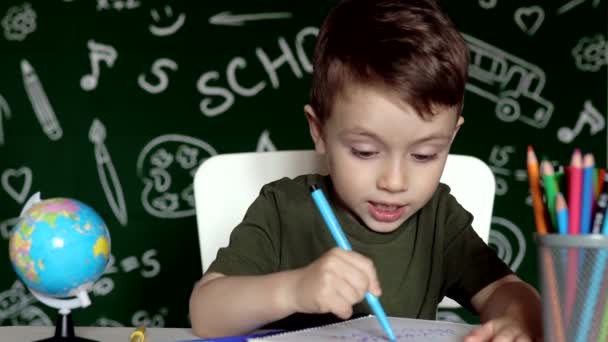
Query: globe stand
point(64, 328)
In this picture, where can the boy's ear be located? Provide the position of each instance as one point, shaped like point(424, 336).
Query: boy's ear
point(315, 128)
point(459, 123)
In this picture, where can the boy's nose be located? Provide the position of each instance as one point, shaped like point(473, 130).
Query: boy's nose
point(393, 178)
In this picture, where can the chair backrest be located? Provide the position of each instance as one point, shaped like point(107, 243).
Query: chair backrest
point(226, 184)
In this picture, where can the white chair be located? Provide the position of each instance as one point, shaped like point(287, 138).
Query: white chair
point(226, 184)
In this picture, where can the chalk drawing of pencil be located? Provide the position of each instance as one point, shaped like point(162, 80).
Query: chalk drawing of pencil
point(40, 103)
point(107, 172)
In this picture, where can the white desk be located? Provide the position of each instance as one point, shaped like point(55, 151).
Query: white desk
point(101, 334)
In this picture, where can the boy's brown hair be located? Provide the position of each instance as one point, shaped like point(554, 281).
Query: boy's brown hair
point(410, 47)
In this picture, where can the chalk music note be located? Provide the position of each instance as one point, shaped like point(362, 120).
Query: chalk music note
point(589, 115)
point(97, 53)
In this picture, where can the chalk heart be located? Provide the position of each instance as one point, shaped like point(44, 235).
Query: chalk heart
point(12, 177)
point(529, 19)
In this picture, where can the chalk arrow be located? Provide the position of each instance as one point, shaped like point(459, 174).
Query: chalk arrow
point(229, 19)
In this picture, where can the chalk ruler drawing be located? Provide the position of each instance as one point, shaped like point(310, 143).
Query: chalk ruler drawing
point(118, 5)
point(512, 83)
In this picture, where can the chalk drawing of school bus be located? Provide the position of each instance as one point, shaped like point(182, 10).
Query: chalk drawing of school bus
point(512, 83)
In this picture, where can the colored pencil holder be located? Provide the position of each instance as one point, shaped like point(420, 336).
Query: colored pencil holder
point(574, 287)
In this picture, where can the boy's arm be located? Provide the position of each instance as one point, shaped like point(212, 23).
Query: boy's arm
point(231, 305)
point(509, 308)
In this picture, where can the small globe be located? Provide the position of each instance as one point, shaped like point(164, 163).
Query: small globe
point(59, 247)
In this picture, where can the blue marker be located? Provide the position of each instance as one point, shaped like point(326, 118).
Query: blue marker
point(338, 234)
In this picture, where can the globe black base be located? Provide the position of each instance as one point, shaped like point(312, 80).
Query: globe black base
point(64, 331)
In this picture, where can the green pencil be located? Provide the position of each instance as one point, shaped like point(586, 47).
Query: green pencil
point(551, 189)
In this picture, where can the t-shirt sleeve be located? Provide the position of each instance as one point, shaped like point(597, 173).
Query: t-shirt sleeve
point(470, 264)
point(253, 248)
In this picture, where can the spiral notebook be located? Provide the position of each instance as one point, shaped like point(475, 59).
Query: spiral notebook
point(367, 329)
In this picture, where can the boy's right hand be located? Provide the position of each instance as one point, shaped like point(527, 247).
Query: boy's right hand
point(334, 283)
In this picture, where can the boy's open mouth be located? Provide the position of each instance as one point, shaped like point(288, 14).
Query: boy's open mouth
point(384, 212)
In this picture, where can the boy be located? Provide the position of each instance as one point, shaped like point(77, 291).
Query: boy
point(386, 97)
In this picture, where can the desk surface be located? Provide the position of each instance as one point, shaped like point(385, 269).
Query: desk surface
point(101, 334)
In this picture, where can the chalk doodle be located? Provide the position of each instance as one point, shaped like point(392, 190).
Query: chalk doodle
point(107, 172)
point(5, 112)
point(160, 74)
point(144, 318)
point(147, 264)
point(16, 306)
point(166, 30)
point(19, 22)
point(487, 4)
point(106, 322)
point(148, 267)
point(97, 53)
point(211, 106)
point(40, 103)
point(166, 165)
point(118, 5)
point(502, 233)
point(7, 225)
point(591, 53)
point(264, 143)
point(498, 160)
point(512, 83)
point(21, 175)
point(529, 19)
point(229, 19)
point(588, 116)
point(573, 3)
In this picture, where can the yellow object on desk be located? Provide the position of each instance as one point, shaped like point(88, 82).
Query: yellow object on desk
point(139, 335)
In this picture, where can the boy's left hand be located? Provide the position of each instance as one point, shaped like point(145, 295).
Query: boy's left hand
point(510, 311)
point(502, 329)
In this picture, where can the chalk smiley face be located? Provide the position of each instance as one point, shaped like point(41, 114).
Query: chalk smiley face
point(167, 25)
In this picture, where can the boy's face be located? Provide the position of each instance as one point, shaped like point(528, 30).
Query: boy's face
point(385, 161)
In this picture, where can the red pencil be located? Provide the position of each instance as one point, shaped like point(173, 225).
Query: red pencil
point(575, 180)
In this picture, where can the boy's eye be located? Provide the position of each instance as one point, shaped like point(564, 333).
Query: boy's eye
point(424, 157)
point(363, 154)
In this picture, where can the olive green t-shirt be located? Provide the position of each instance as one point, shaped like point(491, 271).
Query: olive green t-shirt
point(435, 253)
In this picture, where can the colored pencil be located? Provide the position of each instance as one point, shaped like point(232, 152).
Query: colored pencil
point(562, 214)
point(600, 207)
point(574, 223)
point(587, 193)
point(537, 201)
point(575, 179)
point(551, 189)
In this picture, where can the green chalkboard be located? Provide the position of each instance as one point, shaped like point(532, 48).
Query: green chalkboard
point(116, 102)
